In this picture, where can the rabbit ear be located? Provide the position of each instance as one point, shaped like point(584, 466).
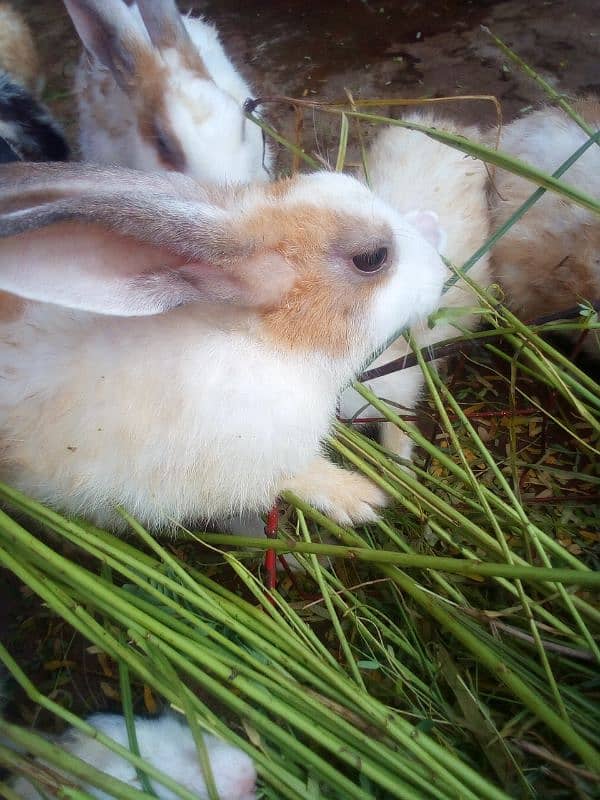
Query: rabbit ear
point(166, 29)
point(110, 35)
point(428, 224)
point(139, 246)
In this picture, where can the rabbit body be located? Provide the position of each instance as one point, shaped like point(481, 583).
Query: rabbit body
point(166, 416)
point(167, 743)
point(550, 259)
point(210, 408)
point(27, 128)
point(163, 98)
point(407, 169)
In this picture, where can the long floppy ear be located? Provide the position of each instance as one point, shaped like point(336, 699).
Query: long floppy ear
point(110, 35)
point(118, 241)
point(166, 29)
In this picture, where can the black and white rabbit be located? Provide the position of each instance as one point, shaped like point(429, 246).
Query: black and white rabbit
point(28, 131)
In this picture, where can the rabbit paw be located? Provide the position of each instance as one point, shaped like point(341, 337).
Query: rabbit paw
point(349, 498)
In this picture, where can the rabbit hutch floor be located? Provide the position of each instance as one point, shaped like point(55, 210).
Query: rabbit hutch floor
point(373, 48)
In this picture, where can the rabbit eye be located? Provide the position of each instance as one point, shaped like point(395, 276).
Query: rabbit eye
point(371, 262)
point(168, 149)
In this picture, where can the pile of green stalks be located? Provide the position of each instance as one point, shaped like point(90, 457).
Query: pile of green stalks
point(448, 651)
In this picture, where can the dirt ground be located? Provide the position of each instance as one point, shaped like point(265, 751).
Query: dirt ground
point(374, 48)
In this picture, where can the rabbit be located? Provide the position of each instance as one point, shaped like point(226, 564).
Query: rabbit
point(28, 131)
point(407, 168)
point(178, 350)
point(18, 54)
point(167, 743)
point(156, 91)
point(549, 260)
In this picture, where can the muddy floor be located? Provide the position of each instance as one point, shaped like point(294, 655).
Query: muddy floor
point(373, 48)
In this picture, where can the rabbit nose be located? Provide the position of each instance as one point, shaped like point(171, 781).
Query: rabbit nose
point(246, 784)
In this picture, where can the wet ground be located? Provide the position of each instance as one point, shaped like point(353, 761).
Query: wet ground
point(374, 48)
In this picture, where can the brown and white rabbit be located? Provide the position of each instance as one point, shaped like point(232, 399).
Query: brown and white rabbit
point(157, 91)
point(407, 169)
point(549, 260)
point(167, 743)
point(27, 130)
point(178, 351)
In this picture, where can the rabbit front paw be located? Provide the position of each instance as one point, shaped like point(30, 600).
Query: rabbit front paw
point(349, 498)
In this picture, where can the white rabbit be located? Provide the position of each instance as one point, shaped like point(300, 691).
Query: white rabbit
point(27, 130)
point(549, 260)
point(179, 351)
point(156, 91)
point(167, 743)
point(407, 169)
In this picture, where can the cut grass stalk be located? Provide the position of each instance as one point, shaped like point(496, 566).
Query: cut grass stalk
point(411, 560)
point(520, 689)
point(435, 386)
point(354, 671)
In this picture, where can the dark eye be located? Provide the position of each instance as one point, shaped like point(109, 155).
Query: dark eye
point(371, 262)
point(168, 149)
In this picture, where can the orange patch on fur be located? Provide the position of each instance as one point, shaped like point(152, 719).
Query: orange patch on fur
point(18, 55)
point(149, 97)
point(317, 311)
point(11, 307)
point(589, 108)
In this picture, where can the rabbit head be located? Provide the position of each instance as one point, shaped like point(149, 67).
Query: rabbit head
point(329, 266)
point(157, 92)
point(225, 323)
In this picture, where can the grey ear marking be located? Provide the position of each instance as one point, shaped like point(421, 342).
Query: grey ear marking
point(166, 29)
point(109, 35)
point(163, 209)
point(163, 22)
point(142, 244)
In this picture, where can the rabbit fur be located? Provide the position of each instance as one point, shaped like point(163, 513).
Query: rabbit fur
point(549, 260)
point(178, 351)
point(27, 129)
point(167, 743)
point(407, 169)
point(156, 91)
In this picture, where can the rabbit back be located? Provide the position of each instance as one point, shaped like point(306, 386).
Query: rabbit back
point(550, 259)
point(411, 171)
point(201, 409)
point(167, 743)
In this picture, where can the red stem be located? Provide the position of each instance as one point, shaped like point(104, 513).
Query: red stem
point(271, 555)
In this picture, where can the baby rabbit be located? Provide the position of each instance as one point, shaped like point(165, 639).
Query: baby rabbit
point(178, 351)
point(407, 169)
point(157, 92)
point(166, 742)
point(550, 259)
point(27, 130)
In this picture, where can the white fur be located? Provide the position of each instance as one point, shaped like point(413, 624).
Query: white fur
point(198, 412)
point(417, 175)
point(550, 259)
point(219, 143)
point(167, 743)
